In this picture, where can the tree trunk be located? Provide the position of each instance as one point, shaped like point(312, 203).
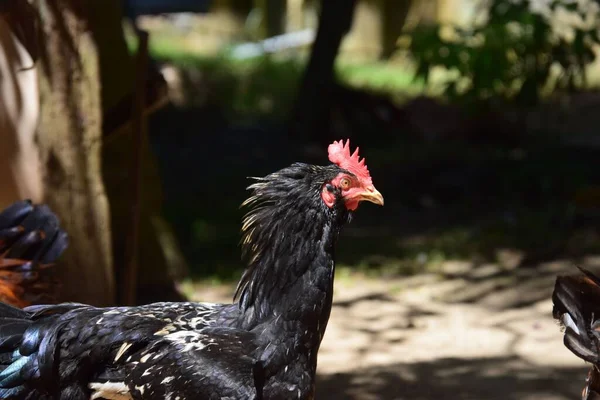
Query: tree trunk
point(273, 21)
point(395, 13)
point(70, 146)
point(85, 78)
point(311, 114)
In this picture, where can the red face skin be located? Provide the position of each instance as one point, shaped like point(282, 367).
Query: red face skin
point(353, 191)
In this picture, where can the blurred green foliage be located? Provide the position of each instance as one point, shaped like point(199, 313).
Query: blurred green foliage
point(264, 85)
point(511, 55)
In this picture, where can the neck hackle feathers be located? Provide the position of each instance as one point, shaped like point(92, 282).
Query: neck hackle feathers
point(286, 215)
point(339, 154)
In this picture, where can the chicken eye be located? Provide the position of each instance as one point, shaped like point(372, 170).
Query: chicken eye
point(345, 183)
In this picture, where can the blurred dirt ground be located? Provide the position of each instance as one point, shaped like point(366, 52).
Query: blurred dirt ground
point(484, 333)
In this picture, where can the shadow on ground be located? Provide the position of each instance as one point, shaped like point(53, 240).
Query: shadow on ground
point(486, 378)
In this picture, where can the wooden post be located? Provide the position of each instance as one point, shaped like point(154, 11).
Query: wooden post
point(128, 294)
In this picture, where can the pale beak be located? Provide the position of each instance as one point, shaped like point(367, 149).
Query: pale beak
point(371, 194)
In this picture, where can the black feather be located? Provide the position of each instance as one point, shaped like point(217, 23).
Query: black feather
point(14, 214)
point(8, 311)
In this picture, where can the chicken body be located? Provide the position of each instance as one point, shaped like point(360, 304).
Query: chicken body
point(156, 351)
point(263, 346)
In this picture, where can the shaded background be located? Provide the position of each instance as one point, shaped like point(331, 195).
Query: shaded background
point(491, 183)
point(479, 124)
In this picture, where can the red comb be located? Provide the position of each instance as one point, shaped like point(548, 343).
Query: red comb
point(339, 154)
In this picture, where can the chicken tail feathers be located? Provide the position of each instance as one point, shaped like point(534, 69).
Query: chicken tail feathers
point(28, 348)
point(13, 325)
point(30, 242)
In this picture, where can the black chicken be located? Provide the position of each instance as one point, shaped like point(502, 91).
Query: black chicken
point(30, 242)
point(577, 308)
point(264, 346)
